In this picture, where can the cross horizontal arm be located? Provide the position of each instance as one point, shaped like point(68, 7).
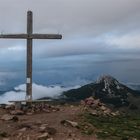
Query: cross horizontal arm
point(46, 36)
point(32, 36)
point(14, 36)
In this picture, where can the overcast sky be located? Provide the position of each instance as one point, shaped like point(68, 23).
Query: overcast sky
point(109, 30)
point(87, 26)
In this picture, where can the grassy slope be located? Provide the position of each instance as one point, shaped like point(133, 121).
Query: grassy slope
point(114, 128)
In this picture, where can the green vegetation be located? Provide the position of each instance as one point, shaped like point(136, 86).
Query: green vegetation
point(113, 128)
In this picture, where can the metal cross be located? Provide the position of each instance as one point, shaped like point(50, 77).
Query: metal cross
point(29, 36)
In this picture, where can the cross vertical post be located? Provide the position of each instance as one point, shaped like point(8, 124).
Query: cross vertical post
point(29, 36)
point(29, 55)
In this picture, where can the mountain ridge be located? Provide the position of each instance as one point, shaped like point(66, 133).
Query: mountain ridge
point(108, 90)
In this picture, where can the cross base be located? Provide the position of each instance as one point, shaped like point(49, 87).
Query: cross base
point(18, 104)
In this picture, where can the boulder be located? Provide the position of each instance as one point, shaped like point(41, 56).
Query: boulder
point(103, 108)
point(69, 123)
point(43, 127)
point(23, 129)
point(8, 117)
point(6, 139)
point(17, 112)
point(113, 114)
point(89, 101)
point(107, 111)
point(44, 136)
point(94, 113)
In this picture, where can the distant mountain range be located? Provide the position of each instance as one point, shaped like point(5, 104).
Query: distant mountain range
point(109, 91)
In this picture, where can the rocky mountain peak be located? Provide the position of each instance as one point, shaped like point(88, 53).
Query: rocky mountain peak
point(108, 90)
point(108, 82)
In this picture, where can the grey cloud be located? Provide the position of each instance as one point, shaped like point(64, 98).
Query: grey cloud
point(80, 21)
point(69, 16)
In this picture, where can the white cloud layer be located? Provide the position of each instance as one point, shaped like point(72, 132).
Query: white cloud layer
point(39, 91)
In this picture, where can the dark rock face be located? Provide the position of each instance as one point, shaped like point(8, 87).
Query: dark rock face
point(108, 90)
point(111, 91)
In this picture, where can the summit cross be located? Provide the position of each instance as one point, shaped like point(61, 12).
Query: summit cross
point(29, 36)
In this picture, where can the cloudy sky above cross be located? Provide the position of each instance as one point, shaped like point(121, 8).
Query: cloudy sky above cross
point(108, 30)
point(113, 25)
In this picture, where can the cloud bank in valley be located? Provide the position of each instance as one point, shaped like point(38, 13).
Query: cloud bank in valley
point(39, 91)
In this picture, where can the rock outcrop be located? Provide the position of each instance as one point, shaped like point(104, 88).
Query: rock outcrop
point(97, 108)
